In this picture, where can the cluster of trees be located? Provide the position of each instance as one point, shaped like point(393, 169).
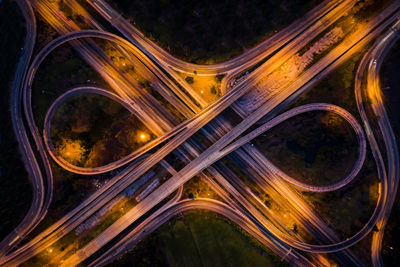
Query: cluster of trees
point(210, 31)
point(92, 130)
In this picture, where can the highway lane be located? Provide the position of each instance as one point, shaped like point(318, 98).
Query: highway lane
point(166, 92)
point(369, 225)
point(311, 27)
point(42, 183)
point(157, 219)
point(307, 108)
point(392, 158)
point(306, 217)
point(330, 17)
point(32, 75)
point(126, 86)
point(326, 22)
point(170, 203)
point(224, 175)
point(372, 62)
point(95, 170)
point(297, 208)
point(169, 185)
point(293, 207)
point(211, 159)
point(312, 32)
point(324, 14)
point(243, 61)
point(87, 34)
point(78, 91)
point(91, 19)
point(282, 55)
point(142, 206)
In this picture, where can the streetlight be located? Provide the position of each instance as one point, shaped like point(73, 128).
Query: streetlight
point(143, 136)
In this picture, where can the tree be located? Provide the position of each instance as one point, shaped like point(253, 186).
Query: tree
point(65, 9)
point(80, 19)
point(213, 91)
point(219, 77)
point(189, 80)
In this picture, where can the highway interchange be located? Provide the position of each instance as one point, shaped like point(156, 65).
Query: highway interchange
point(240, 205)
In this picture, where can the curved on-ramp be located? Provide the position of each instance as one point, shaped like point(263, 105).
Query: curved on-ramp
point(42, 183)
point(299, 110)
point(95, 170)
point(372, 61)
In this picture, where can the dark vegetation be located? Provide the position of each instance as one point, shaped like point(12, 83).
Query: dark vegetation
point(99, 131)
point(317, 148)
point(14, 181)
point(367, 8)
point(199, 239)
point(70, 189)
point(350, 207)
point(197, 187)
point(61, 71)
point(45, 34)
point(332, 134)
point(200, 40)
point(211, 31)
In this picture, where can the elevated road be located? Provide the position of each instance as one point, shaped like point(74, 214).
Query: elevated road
point(42, 181)
point(281, 56)
point(244, 61)
point(303, 109)
point(184, 135)
point(371, 90)
point(325, 107)
point(95, 170)
point(190, 170)
point(159, 218)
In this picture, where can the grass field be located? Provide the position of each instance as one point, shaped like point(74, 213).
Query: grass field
point(209, 31)
point(318, 148)
point(14, 181)
point(200, 239)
